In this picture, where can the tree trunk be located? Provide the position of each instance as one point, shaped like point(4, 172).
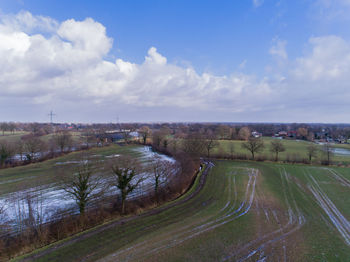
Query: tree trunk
point(123, 204)
point(81, 208)
point(156, 190)
point(328, 158)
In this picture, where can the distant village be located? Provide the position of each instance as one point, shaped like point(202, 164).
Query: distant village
point(319, 133)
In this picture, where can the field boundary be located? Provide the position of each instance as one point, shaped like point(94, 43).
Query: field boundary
point(196, 187)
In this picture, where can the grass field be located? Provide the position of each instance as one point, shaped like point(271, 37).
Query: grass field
point(246, 211)
point(296, 147)
point(45, 173)
point(15, 137)
point(12, 138)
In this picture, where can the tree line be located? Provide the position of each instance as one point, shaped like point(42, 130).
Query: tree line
point(206, 143)
point(102, 191)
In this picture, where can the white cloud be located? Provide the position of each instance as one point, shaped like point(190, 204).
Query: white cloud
point(86, 35)
point(329, 10)
point(329, 59)
point(69, 65)
point(318, 82)
point(26, 22)
point(66, 69)
point(154, 57)
point(279, 48)
point(258, 3)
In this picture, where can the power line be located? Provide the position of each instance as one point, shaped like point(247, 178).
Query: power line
point(51, 115)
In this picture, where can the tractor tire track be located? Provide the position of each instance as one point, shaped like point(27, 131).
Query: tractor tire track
point(293, 225)
point(339, 177)
point(92, 232)
point(337, 218)
point(227, 217)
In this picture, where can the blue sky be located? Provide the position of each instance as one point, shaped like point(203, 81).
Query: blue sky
point(238, 60)
point(214, 36)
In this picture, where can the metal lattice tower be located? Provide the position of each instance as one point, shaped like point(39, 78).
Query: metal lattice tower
point(51, 115)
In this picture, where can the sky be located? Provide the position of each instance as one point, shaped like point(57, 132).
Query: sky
point(175, 61)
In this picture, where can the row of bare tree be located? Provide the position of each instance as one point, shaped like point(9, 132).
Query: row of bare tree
point(31, 148)
point(256, 145)
point(102, 191)
point(204, 143)
point(125, 174)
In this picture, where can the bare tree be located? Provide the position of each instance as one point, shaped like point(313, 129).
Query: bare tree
point(161, 170)
point(232, 149)
point(174, 145)
point(210, 143)
point(11, 127)
point(2, 218)
point(193, 145)
point(253, 145)
point(63, 140)
point(20, 148)
point(34, 208)
point(302, 132)
point(82, 185)
point(144, 132)
point(165, 133)
point(311, 151)
point(277, 147)
point(33, 145)
point(157, 138)
point(223, 132)
point(126, 178)
point(328, 153)
point(244, 133)
point(35, 128)
point(4, 127)
point(6, 152)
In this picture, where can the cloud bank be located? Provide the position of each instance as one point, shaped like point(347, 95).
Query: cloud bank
point(45, 63)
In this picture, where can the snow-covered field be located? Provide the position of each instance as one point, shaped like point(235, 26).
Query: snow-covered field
point(44, 203)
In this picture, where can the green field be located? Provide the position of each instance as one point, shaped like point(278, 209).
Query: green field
point(47, 173)
point(12, 137)
point(16, 137)
point(293, 147)
point(246, 211)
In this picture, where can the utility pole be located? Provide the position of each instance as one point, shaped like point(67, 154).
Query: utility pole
point(51, 115)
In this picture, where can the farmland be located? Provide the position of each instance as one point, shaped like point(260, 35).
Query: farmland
point(44, 173)
point(296, 148)
point(246, 211)
point(16, 136)
point(42, 181)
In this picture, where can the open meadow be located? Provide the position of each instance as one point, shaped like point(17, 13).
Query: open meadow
point(16, 136)
point(295, 149)
point(41, 187)
point(236, 211)
point(47, 173)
